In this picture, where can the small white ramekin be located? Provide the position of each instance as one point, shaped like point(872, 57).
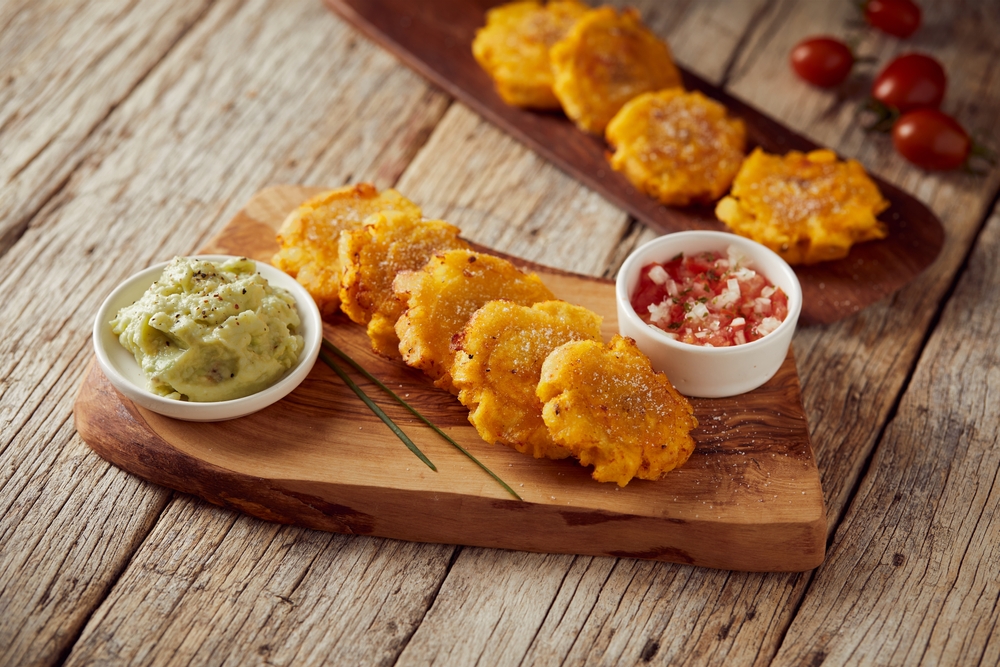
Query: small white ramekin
point(124, 373)
point(709, 372)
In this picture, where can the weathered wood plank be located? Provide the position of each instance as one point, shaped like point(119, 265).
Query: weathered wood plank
point(496, 607)
point(911, 576)
point(59, 553)
point(507, 594)
point(63, 67)
point(213, 586)
point(252, 94)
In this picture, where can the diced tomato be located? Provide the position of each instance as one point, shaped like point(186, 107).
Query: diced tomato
point(702, 300)
point(646, 293)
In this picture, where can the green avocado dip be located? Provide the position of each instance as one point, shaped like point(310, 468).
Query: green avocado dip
point(207, 331)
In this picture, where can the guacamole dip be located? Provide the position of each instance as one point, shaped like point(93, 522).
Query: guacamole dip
point(207, 331)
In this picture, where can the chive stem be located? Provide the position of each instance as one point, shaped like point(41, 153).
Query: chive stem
point(376, 409)
point(360, 369)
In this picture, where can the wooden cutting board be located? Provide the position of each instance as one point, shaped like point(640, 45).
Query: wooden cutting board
point(434, 37)
point(748, 499)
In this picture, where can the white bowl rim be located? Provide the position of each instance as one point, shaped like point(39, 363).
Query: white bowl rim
point(211, 410)
point(632, 263)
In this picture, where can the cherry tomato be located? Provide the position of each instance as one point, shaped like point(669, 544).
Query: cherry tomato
point(822, 61)
point(931, 139)
point(896, 17)
point(912, 81)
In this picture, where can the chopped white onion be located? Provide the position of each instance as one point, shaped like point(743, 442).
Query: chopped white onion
point(767, 325)
point(658, 274)
point(658, 311)
point(699, 311)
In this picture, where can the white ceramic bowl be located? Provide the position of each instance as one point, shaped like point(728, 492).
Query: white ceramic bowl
point(123, 372)
point(709, 372)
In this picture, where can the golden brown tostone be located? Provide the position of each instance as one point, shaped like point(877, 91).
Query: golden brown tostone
point(611, 410)
point(498, 363)
point(807, 207)
point(310, 236)
point(513, 48)
point(604, 61)
point(390, 242)
point(441, 297)
point(677, 147)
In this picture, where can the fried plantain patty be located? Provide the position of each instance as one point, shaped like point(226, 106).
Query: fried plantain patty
point(677, 147)
point(309, 237)
point(498, 363)
point(390, 242)
point(807, 207)
point(611, 410)
point(604, 61)
point(441, 297)
point(513, 48)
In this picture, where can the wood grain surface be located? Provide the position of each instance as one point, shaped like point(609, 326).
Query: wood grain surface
point(748, 499)
point(434, 38)
point(935, 479)
point(181, 111)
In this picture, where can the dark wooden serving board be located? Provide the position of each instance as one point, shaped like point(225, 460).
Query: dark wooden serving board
point(434, 38)
point(748, 499)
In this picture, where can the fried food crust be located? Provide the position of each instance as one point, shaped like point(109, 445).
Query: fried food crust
point(611, 410)
point(513, 48)
point(389, 242)
point(604, 61)
point(309, 236)
point(677, 147)
point(441, 298)
point(498, 362)
point(807, 207)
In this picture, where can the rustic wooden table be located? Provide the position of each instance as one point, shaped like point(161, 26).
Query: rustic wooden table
point(130, 132)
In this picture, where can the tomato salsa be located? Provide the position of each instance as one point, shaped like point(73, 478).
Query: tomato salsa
point(710, 299)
